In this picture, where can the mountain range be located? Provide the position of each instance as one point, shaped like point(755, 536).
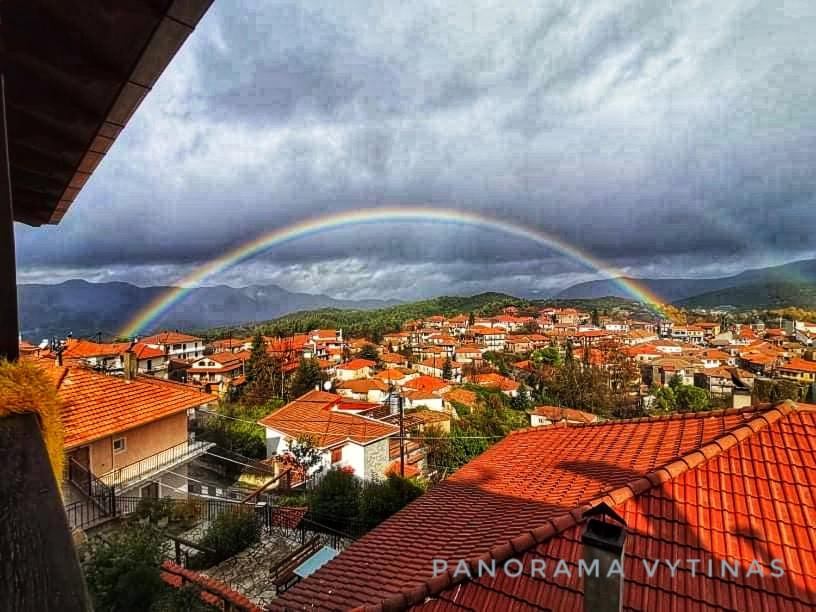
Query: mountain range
point(790, 284)
point(87, 309)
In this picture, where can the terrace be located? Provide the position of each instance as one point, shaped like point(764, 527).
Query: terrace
point(71, 79)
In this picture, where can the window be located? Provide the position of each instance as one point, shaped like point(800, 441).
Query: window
point(149, 365)
point(337, 455)
point(118, 445)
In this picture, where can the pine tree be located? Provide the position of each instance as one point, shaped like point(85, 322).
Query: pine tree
point(307, 377)
point(447, 369)
point(262, 374)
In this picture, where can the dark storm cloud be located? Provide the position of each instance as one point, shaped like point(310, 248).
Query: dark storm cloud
point(663, 137)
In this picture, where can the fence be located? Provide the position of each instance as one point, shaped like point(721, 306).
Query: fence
point(99, 493)
point(133, 472)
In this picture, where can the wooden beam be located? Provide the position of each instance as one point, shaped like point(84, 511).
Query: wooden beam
point(39, 568)
point(9, 325)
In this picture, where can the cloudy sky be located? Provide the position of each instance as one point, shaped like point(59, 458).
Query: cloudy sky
point(666, 138)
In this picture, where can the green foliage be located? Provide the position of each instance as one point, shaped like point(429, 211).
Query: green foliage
point(185, 599)
point(263, 374)
point(522, 400)
point(675, 382)
point(664, 399)
point(374, 323)
point(307, 377)
point(237, 428)
point(369, 351)
point(550, 356)
point(766, 390)
point(227, 535)
point(335, 500)
point(122, 571)
point(154, 509)
point(304, 453)
point(691, 399)
point(447, 369)
point(381, 499)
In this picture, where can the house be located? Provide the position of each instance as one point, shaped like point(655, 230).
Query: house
point(344, 439)
point(713, 358)
point(421, 399)
point(364, 389)
point(429, 384)
point(549, 415)
point(464, 397)
point(506, 385)
point(436, 367)
point(100, 356)
point(798, 369)
point(717, 381)
point(176, 345)
point(391, 360)
point(130, 433)
point(492, 338)
point(149, 360)
point(661, 371)
point(396, 376)
point(356, 368)
point(218, 369)
point(469, 354)
point(724, 486)
point(232, 345)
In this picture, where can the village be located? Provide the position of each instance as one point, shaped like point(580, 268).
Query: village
point(201, 426)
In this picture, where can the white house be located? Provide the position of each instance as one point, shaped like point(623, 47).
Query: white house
point(345, 440)
point(356, 368)
point(176, 345)
point(363, 389)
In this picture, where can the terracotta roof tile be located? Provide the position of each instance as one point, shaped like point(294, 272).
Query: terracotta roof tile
point(539, 480)
point(98, 405)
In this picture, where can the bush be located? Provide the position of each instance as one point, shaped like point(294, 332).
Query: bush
point(229, 534)
point(155, 509)
point(122, 571)
point(186, 599)
point(335, 500)
point(381, 499)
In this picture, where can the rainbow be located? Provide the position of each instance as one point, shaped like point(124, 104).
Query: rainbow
point(148, 316)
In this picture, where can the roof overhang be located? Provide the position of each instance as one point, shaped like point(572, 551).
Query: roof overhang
point(74, 74)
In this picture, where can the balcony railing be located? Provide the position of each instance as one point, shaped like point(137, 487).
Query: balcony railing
point(129, 475)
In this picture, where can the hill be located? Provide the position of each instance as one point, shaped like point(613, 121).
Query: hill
point(761, 296)
point(375, 323)
point(680, 289)
point(86, 309)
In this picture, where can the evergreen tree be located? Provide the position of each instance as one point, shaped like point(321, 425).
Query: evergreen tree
point(596, 317)
point(307, 377)
point(447, 369)
point(369, 351)
point(471, 318)
point(263, 374)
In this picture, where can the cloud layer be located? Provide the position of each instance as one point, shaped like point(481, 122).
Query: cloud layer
point(666, 138)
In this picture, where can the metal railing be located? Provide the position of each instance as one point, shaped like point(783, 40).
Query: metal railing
point(99, 492)
point(131, 473)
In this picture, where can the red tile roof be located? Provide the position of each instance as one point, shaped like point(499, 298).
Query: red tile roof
point(169, 337)
point(142, 351)
point(429, 384)
point(558, 413)
point(356, 364)
point(97, 405)
point(363, 385)
point(82, 349)
point(497, 381)
point(726, 485)
point(312, 414)
point(797, 364)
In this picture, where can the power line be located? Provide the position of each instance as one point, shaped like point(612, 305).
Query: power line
point(327, 422)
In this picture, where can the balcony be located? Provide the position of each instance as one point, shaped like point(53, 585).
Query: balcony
point(131, 475)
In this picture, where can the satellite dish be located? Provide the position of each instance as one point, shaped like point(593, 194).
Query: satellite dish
point(327, 385)
point(43, 344)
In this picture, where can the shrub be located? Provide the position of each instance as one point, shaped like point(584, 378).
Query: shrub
point(122, 571)
point(381, 499)
point(334, 502)
point(186, 599)
point(155, 509)
point(229, 534)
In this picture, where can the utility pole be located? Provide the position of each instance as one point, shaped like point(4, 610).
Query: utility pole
point(402, 435)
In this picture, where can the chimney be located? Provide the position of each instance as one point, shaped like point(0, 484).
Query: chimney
point(129, 365)
point(603, 541)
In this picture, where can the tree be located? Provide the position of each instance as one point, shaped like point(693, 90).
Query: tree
point(307, 377)
point(675, 382)
point(447, 369)
point(522, 400)
point(303, 454)
point(568, 356)
point(380, 499)
point(549, 355)
point(595, 318)
point(263, 374)
point(335, 501)
point(234, 428)
point(691, 399)
point(122, 571)
point(664, 399)
point(369, 351)
point(471, 319)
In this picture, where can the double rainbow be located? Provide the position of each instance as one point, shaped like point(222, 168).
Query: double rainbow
point(151, 314)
